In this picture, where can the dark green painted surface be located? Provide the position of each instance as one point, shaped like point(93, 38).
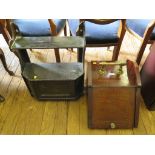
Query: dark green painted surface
point(48, 42)
point(54, 81)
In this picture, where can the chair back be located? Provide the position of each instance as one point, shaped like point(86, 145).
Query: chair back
point(81, 27)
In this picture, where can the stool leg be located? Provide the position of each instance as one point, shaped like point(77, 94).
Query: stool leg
point(57, 55)
point(2, 57)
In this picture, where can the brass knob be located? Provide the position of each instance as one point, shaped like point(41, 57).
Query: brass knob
point(112, 125)
point(35, 77)
point(102, 71)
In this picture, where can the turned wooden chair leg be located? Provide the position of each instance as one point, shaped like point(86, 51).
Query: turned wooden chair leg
point(65, 30)
point(57, 55)
point(2, 57)
point(71, 35)
point(117, 48)
point(108, 48)
point(116, 52)
point(65, 33)
point(2, 99)
point(141, 52)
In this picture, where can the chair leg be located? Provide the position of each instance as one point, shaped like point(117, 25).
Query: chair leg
point(116, 52)
point(2, 99)
point(146, 37)
point(65, 30)
point(57, 55)
point(71, 35)
point(141, 51)
point(65, 33)
point(81, 54)
point(2, 57)
point(117, 48)
point(108, 48)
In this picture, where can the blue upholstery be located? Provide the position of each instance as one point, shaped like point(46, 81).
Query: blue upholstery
point(37, 27)
point(139, 26)
point(95, 33)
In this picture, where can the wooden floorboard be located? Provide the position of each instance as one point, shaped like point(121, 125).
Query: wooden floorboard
point(21, 114)
point(60, 121)
point(73, 120)
point(148, 120)
point(10, 92)
point(141, 130)
point(48, 123)
point(23, 106)
point(13, 110)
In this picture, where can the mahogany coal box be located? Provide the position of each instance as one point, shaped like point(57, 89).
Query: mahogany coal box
point(54, 81)
point(113, 95)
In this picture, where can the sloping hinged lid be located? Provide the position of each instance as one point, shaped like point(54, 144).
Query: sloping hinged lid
point(103, 74)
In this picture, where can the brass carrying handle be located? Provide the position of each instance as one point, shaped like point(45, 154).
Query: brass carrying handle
point(113, 63)
point(102, 71)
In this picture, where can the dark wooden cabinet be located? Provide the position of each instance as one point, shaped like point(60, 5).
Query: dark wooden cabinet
point(113, 99)
point(51, 81)
point(54, 81)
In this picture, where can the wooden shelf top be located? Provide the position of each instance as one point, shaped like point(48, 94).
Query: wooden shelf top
point(48, 42)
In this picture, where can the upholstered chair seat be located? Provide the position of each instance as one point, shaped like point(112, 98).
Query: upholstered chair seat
point(144, 30)
point(139, 26)
point(95, 33)
point(38, 27)
point(100, 32)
